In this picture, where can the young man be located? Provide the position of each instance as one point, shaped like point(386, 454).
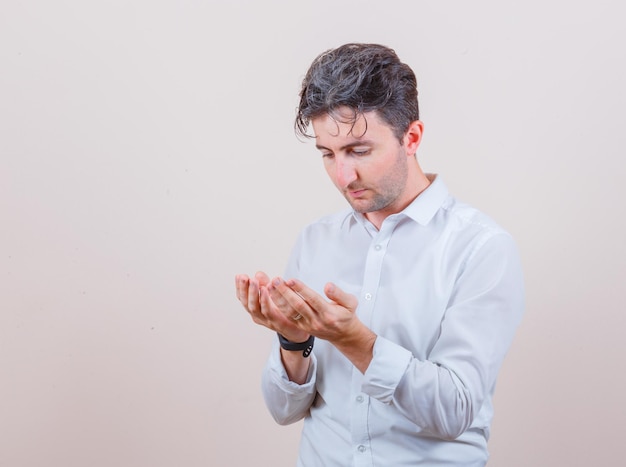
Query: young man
point(394, 315)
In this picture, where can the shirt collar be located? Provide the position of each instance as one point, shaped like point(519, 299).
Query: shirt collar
point(423, 208)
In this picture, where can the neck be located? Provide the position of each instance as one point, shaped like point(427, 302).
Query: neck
point(417, 182)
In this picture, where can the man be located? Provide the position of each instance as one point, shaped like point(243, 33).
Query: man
point(394, 315)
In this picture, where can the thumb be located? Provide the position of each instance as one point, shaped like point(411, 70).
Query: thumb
point(340, 297)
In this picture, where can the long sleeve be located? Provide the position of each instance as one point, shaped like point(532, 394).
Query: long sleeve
point(287, 401)
point(444, 393)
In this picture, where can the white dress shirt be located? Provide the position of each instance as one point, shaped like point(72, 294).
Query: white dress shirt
point(441, 285)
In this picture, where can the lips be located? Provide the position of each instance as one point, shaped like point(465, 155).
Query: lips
point(357, 193)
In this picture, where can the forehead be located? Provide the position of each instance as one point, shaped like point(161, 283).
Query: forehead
point(344, 123)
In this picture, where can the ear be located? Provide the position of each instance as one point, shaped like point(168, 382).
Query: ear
point(413, 137)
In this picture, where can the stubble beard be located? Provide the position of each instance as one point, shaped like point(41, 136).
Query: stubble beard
point(389, 189)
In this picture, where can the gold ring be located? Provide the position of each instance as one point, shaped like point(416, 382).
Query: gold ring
point(297, 317)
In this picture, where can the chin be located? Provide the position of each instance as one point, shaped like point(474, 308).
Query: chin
point(361, 209)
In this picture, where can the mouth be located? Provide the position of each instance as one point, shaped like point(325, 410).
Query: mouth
point(357, 193)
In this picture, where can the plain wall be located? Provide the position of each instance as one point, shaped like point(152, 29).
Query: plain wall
point(147, 155)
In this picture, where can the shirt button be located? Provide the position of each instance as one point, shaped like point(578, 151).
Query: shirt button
point(361, 448)
point(377, 247)
point(368, 296)
point(359, 398)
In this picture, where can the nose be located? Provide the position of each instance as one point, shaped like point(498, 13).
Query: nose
point(345, 172)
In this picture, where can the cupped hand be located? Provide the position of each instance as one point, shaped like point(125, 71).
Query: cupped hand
point(332, 319)
point(253, 294)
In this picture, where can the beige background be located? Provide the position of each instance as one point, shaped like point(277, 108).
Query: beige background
point(147, 156)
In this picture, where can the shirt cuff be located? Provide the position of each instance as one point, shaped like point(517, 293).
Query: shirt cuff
point(278, 374)
point(389, 364)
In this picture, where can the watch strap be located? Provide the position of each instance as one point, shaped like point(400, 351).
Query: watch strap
point(306, 346)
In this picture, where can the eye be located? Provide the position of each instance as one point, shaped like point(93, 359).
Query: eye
point(327, 155)
point(360, 151)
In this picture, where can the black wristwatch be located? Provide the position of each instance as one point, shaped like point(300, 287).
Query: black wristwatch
point(306, 346)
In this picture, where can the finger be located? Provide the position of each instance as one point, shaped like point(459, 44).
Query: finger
point(307, 295)
point(253, 297)
point(340, 297)
point(276, 290)
point(241, 288)
point(269, 309)
point(286, 300)
point(262, 278)
point(266, 308)
point(277, 321)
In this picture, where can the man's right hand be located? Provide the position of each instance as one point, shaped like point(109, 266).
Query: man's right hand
point(253, 295)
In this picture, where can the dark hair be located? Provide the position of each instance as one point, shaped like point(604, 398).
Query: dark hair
point(364, 78)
